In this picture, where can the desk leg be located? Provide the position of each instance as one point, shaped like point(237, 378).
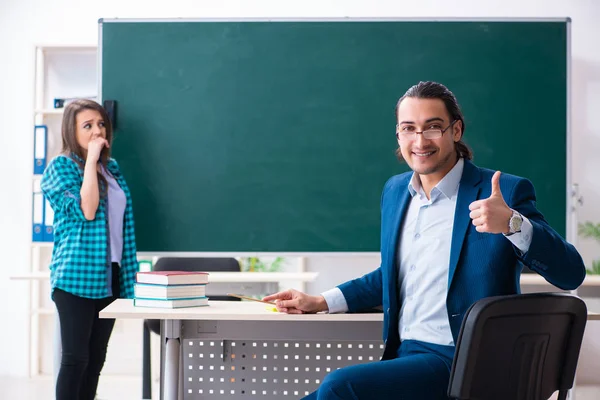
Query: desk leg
point(146, 363)
point(172, 387)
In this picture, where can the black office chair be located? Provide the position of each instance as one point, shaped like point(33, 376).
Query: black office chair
point(518, 347)
point(221, 264)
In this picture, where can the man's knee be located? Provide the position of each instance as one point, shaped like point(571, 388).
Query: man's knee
point(335, 386)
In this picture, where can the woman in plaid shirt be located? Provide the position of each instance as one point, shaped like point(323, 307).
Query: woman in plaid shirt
point(94, 256)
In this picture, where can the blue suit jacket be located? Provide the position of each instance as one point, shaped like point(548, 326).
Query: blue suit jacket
point(481, 264)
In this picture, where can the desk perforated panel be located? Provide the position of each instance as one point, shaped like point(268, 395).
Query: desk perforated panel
point(225, 369)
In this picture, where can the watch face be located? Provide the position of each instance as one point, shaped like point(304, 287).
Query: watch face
point(515, 222)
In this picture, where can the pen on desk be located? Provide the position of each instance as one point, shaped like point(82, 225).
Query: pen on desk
point(239, 296)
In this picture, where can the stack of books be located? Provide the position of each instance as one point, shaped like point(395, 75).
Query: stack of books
point(170, 289)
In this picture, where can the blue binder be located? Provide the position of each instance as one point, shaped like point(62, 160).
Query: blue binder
point(40, 147)
point(38, 217)
point(48, 222)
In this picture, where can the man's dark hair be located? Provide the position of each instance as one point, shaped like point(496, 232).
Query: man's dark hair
point(434, 90)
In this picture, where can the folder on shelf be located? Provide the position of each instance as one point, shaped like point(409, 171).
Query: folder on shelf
point(63, 102)
point(40, 147)
point(38, 217)
point(48, 222)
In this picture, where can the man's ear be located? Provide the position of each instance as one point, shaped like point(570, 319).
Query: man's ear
point(457, 131)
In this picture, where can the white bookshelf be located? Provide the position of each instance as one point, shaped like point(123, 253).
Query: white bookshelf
point(60, 72)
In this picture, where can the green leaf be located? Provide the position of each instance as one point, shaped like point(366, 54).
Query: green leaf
point(595, 267)
point(255, 264)
point(589, 230)
point(276, 264)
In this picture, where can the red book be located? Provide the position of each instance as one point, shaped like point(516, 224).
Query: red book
point(172, 277)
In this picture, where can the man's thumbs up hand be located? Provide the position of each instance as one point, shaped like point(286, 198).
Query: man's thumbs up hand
point(496, 185)
point(491, 215)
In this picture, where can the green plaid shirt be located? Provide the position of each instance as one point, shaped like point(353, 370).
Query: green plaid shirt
point(81, 261)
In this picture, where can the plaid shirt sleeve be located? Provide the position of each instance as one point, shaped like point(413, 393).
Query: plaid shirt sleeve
point(61, 184)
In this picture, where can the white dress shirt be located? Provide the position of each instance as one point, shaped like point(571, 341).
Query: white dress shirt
point(423, 260)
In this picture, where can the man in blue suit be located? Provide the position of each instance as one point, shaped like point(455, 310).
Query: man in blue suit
point(451, 234)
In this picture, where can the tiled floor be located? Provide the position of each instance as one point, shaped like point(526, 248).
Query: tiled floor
point(129, 388)
point(110, 388)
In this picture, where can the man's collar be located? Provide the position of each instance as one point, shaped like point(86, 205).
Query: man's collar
point(448, 186)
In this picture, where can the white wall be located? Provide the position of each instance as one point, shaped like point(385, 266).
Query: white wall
point(24, 23)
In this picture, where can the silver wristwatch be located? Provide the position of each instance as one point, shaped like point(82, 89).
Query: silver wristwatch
point(515, 222)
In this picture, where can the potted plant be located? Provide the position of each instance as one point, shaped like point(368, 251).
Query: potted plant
point(590, 230)
point(256, 264)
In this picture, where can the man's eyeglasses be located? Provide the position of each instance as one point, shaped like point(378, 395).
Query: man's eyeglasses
point(428, 134)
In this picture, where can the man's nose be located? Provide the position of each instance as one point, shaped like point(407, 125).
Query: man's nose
point(420, 140)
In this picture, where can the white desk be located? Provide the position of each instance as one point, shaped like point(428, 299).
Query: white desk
point(222, 349)
point(532, 283)
point(241, 347)
point(535, 279)
point(226, 311)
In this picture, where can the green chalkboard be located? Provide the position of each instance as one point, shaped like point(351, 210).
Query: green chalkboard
point(278, 136)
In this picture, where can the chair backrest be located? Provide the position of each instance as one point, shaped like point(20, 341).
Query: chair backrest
point(518, 347)
point(207, 264)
